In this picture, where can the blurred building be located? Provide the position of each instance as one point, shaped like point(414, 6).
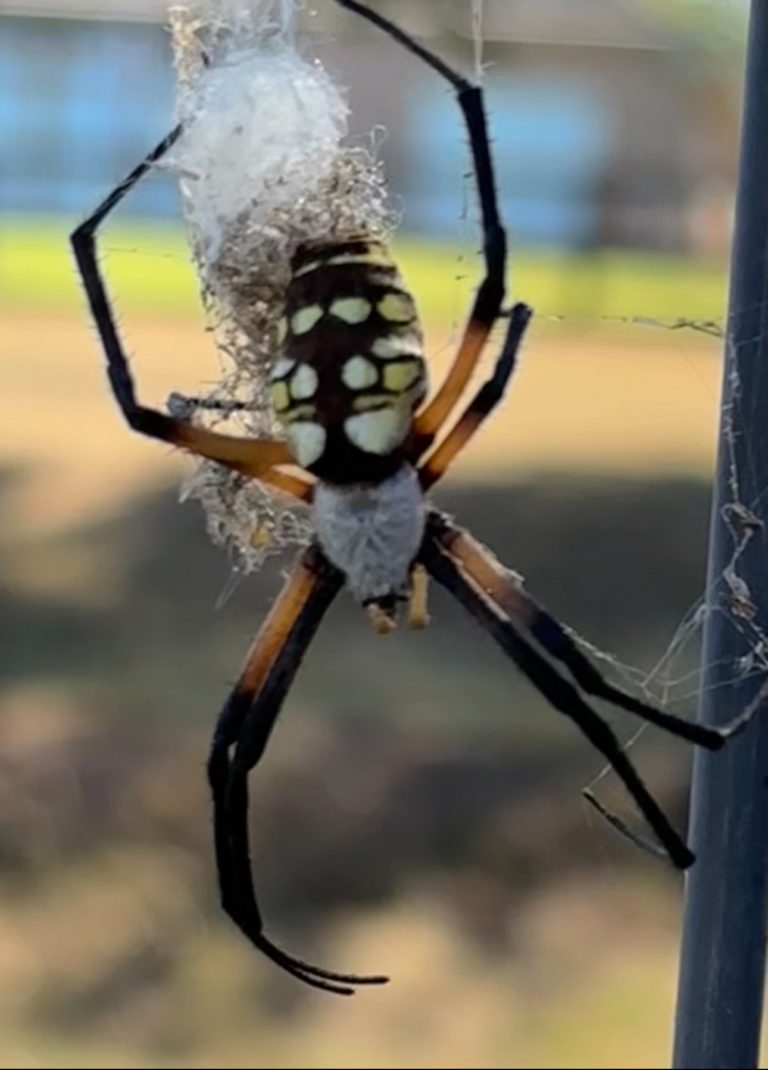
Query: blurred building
point(609, 127)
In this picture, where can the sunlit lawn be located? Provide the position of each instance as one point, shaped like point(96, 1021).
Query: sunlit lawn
point(149, 266)
point(591, 394)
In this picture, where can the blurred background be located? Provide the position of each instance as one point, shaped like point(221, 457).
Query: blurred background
point(419, 812)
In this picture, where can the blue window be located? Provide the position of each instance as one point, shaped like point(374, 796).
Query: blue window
point(551, 145)
point(80, 102)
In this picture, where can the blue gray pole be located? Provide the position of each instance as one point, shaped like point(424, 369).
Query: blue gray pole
point(722, 967)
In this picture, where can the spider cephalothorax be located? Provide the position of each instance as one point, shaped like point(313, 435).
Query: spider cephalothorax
point(349, 385)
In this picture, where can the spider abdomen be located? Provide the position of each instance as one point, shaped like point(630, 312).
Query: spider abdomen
point(352, 369)
point(372, 533)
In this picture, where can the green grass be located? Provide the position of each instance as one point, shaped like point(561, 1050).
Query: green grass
point(150, 272)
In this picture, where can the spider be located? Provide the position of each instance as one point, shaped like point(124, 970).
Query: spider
point(350, 388)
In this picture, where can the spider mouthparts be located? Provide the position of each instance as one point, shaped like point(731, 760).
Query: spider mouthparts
point(383, 620)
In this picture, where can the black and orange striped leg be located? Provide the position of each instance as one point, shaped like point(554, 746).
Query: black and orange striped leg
point(473, 573)
point(506, 591)
point(481, 406)
point(244, 726)
point(558, 691)
point(490, 295)
point(252, 458)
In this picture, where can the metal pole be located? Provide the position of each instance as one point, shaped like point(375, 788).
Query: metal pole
point(720, 997)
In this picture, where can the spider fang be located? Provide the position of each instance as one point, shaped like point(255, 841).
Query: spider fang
point(382, 617)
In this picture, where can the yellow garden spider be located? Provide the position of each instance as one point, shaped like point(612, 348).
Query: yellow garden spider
point(349, 385)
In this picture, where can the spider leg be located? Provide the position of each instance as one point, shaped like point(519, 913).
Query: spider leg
point(506, 589)
point(555, 688)
point(622, 827)
point(253, 458)
point(484, 402)
point(490, 294)
point(246, 723)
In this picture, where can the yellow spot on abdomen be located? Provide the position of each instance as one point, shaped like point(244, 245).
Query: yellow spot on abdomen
point(280, 397)
point(351, 309)
point(308, 441)
point(306, 318)
point(398, 308)
point(377, 432)
point(371, 401)
point(359, 373)
point(389, 347)
point(399, 377)
point(282, 368)
point(304, 382)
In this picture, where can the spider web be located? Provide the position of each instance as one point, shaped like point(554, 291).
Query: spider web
point(677, 679)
